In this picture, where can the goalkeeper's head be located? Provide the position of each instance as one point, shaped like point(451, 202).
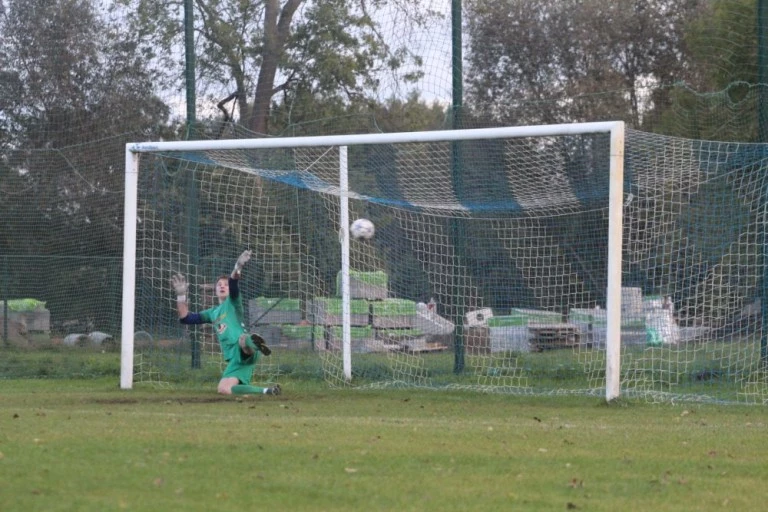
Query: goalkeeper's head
point(222, 287)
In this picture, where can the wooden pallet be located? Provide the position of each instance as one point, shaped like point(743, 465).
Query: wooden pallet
point(430, 347)
point(418, 349)
point(554, 336)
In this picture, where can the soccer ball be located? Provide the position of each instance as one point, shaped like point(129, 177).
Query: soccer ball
point(362, 228)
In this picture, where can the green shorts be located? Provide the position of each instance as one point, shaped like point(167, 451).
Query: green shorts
point(241, 367)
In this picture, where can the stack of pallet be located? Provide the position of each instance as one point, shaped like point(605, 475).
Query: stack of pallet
point(379, 323)
point(326, 313)
point(279, 321)
point(27, 322)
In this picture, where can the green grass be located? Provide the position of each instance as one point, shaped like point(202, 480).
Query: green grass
point(713, 371)
point(85, 445)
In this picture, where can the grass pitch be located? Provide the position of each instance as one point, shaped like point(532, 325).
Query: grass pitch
point(85, 445)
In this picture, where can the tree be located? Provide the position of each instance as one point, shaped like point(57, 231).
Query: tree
point(540, 61)
point(270, 51)
point(73, 91)
point(722, 96)
point(72, 88)
point(723, 44)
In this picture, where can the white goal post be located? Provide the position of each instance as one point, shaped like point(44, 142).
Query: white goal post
point(613, 295)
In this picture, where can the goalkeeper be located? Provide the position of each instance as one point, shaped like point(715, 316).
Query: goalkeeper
point(240, 349)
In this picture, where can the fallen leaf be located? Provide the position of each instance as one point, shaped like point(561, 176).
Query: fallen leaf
point(576, 483)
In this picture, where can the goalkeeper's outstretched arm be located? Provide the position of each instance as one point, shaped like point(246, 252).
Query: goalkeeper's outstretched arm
point(180, 286)
point(182, 309)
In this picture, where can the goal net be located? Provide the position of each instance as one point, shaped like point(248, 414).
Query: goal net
point(544, 259)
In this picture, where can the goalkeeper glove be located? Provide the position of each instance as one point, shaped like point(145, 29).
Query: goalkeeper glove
point(241, 261)
point(180, 286)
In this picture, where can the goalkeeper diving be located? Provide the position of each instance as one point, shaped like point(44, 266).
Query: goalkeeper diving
point(240, 349)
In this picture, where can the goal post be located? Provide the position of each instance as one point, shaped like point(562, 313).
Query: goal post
point(613, 291)
point(241, 175)
point(129, 268)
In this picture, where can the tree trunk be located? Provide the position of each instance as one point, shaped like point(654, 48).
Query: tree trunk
point(277, 24)
point(258, 121)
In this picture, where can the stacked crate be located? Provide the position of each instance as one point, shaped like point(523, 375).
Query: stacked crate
point(365, 285)
point(263, 310)
point(511, 332)
point(592, 323)
point(394, 321)
point(326, 313)
point(378, 323)
point(302, 335)
point(273, 317)
point(28, 322)
point(390, 322)
point(362, 339)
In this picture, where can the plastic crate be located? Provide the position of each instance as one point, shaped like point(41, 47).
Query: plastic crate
point(263, 310)
point(328, 311)
point(393, 313)
point(365, 285)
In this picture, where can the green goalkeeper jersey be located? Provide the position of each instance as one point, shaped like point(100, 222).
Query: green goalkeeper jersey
point(227, 320)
